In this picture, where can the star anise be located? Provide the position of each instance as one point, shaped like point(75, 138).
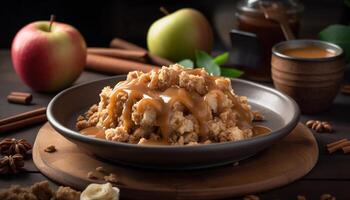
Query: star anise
point(12, 146)
point(11, 164)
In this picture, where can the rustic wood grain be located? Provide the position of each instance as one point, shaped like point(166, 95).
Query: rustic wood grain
point(285, 162)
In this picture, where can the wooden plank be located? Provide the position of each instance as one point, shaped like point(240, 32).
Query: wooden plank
point(270, 169)
point(24, 179)
point(310, 189)
point(331, 167)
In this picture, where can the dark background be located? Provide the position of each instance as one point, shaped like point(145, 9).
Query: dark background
point(100, 21)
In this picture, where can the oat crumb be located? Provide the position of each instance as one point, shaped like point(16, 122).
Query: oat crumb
point(258, 116)
point(67, 193)
point(50, 149)
point(101, 169)
point(112, 178)
point(42, 190)
point(92, 175)
point(38, 191)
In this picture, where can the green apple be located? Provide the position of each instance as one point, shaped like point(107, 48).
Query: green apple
point(177, 35)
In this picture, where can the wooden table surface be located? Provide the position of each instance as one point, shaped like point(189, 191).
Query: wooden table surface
point(330, 175)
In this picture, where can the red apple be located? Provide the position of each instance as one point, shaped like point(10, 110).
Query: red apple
point(48, 56)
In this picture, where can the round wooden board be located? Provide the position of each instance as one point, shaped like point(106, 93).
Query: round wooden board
point(283, 163)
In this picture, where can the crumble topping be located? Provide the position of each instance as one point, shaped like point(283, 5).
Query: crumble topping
point(171, 105)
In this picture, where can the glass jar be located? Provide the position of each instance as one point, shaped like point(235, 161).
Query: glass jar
point(250, 18)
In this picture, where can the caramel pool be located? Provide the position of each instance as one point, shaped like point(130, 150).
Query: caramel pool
point(309, 52)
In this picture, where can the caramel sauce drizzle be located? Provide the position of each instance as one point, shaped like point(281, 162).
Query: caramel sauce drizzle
point(94, 132)
point(193, 102)
point(260, 130)
point(163, 101)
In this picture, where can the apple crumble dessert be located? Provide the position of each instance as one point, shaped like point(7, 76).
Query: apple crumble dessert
point(171, 105)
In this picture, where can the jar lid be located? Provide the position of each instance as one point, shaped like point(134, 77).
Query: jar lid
point(292, 6)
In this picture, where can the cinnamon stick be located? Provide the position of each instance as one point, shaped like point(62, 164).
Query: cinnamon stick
point(135, 55)
point(115, 65)
point(346, 149)
point(122, 44)
point(338, 146)
point(20, 97)
point(23, 123)
point(159, 60)
point(20, 94)
point(24, 115)
point(336, 143)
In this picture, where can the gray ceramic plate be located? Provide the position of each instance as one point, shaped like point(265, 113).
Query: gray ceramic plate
point(280, 111)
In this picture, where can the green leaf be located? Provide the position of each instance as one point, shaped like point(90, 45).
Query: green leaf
point(206, 61)
point(187, 63)
point(338, 34)
point(231, 72)
point(222, 59)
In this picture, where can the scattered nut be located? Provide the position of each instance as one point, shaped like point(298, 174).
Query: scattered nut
point(310, 123)
point(112, 178)
point(258, 116)
point(101, 169)
point(251, 197)
point(319, 126)
point(301, 197)
point(92, 175)
point(50, 149)
point(327, 127)
point(327, 197)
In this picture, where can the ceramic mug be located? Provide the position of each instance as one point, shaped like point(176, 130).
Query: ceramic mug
point(312, 82)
